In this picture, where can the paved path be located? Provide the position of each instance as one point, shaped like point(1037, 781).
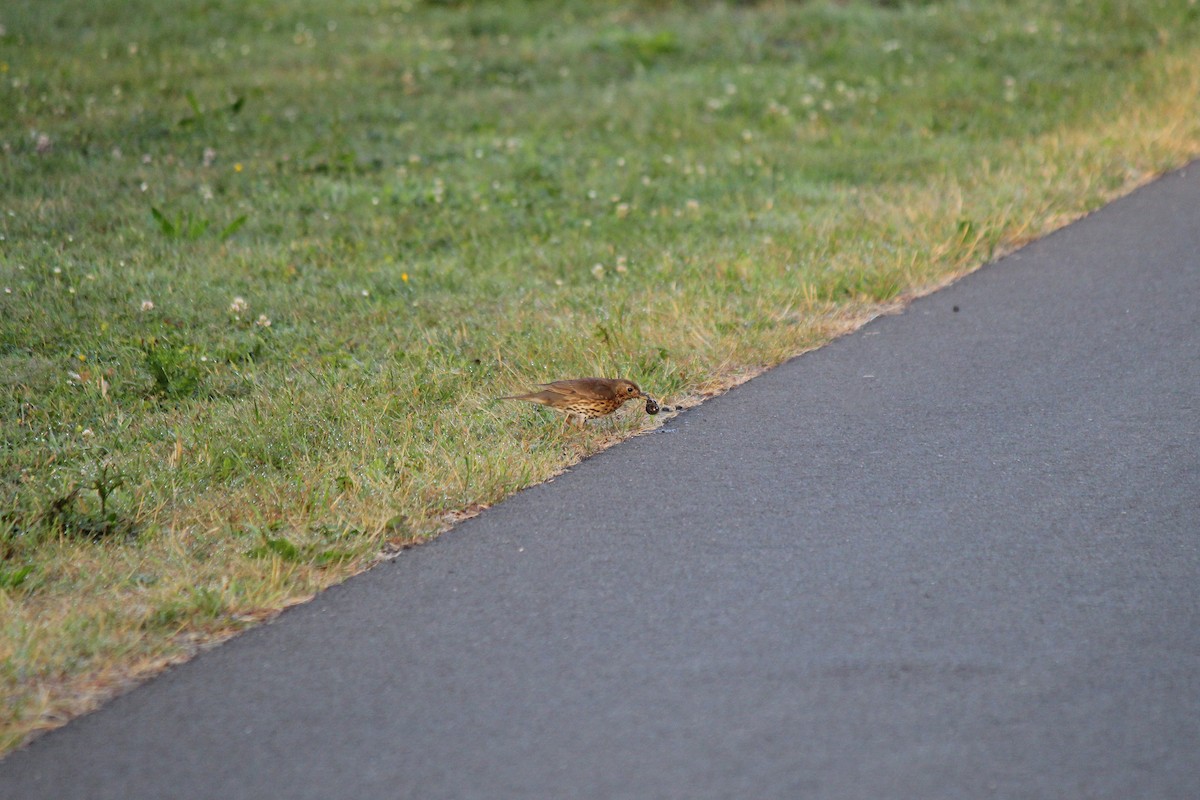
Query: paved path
point(954, 555)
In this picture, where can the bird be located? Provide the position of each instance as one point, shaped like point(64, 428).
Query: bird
point(582, 399)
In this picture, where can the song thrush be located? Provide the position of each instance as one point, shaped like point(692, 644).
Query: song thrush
point(582, 399)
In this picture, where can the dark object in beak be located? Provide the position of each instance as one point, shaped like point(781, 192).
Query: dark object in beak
point(651, 405)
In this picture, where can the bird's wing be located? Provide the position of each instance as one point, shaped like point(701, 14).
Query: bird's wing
point(549, 395)
point(573, 389)
point(586, 388)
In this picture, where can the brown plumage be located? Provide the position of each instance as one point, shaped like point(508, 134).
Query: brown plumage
point(582, 399)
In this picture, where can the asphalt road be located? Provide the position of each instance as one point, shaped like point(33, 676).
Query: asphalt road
point(953, 555)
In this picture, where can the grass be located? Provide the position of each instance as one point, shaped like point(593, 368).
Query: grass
point(266, 265)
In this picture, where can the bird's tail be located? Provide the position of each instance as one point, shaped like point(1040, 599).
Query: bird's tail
point(532, 397)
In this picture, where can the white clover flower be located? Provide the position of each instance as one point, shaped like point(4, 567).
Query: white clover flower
point(263, 321)
point(147, 305)
point(239, 306)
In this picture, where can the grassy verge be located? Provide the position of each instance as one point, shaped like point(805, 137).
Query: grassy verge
point(266, 265)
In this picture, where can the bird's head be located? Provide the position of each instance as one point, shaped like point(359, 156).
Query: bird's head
point(628, 390)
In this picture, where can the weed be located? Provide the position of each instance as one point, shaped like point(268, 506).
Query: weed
point(317, 553)
point(107, 480)
point(199, 605)
point(275, 547)
point(13, 577)
point(69, 517)
point(192, 227)
point(201, 116)
point(172, 367)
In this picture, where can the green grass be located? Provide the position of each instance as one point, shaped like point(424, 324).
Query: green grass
point(435, 204)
